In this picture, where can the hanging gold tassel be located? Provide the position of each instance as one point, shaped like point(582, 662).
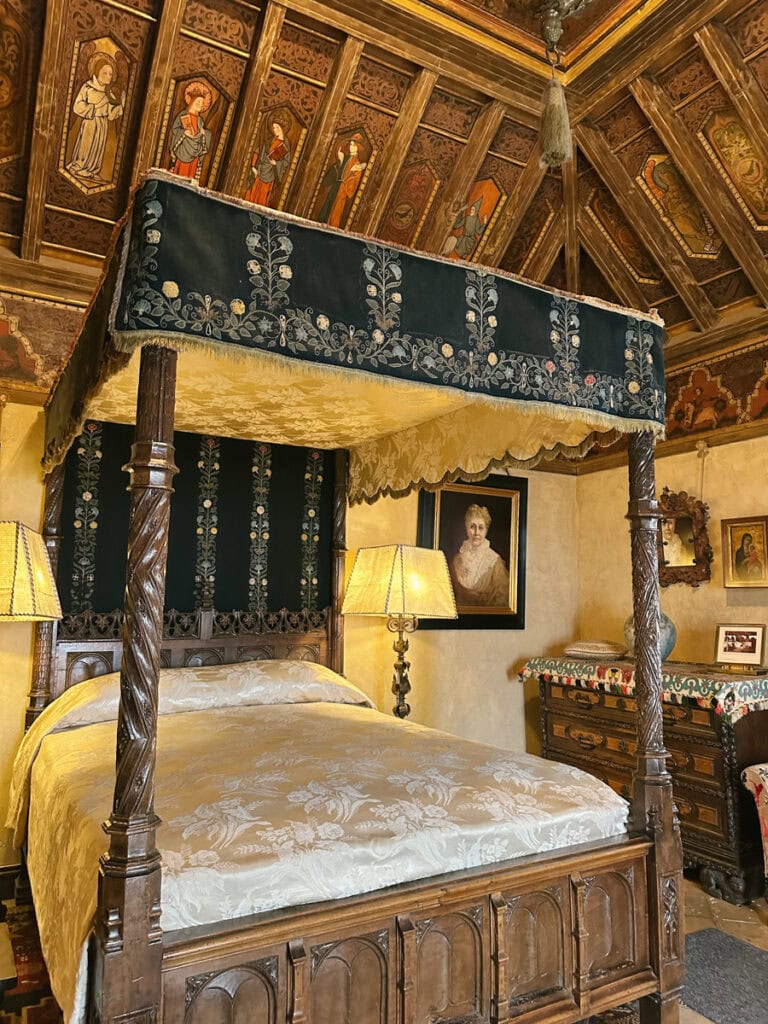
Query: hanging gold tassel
point(556, 146)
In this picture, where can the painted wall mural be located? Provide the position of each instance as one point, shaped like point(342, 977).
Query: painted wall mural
point(622, 239)
point(740, 164)
point(473, 219)
point(349, 163)
point(411, 201)
point(280, 138)
point(100, 81)
point(668, 192)
point(20, 364)
point(196, 117)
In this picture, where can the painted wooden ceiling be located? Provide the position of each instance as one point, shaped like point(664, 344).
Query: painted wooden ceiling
point(412, 121)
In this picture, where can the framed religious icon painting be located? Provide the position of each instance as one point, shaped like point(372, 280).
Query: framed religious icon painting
point(480, 527)
point(745, 551)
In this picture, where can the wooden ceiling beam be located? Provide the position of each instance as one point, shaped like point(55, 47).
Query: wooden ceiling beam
point(322, 129)
point(158, 83)
point(464, 172)
point(570, 215)
point(520, 88)
point(547, 250)
point(526, 187)
point(601, 80)
point(724, 57)
point(72, 286)
point(386, 171)
point(235, 173)
point(649, 226)
point(44, 136)
point(742, 328)
point(607, 261)
point(705, 182)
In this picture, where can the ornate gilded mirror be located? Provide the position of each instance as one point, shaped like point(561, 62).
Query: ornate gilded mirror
point(685, 554)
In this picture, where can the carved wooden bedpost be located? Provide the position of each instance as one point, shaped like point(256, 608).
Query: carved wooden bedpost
point(338, 554)
point(127, 923)
point(653, 810)
point(45, 632)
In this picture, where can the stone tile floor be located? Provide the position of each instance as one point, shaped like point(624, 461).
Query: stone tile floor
point(750, 924)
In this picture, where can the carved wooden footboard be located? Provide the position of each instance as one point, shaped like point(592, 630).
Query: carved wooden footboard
point(538, 939)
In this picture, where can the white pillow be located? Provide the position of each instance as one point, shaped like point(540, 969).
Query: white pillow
point(595, 649)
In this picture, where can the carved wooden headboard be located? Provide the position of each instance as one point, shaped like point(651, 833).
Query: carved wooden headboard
point(89, 644)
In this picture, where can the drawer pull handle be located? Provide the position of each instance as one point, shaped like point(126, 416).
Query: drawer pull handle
point(583, 699)
point(585, 741)
point(623, 746)
point(621, 704)
point(671, 718)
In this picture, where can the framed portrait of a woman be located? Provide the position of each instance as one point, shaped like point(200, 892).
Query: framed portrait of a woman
point(480, 527)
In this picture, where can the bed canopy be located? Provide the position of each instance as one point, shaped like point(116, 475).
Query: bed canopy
point(425, 369)
point(243, 322)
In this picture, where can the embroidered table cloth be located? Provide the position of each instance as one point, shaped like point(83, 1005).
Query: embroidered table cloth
point(730, 696)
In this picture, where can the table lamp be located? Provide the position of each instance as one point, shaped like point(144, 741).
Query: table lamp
point(402, 582)
point(27, 589)
point(27, 594)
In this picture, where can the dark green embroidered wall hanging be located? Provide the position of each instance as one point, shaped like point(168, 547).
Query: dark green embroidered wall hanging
point(250, 524)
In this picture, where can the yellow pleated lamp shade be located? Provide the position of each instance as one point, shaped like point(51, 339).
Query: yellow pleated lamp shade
point(400, 579)
point(27, 589)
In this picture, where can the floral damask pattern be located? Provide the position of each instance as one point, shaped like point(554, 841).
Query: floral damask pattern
point(86, 521)
point(207, 520)
point(360, 801)
point(310, 528)
point(258, 577)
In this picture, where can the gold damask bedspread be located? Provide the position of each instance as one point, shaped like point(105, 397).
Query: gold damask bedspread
point(277, 785)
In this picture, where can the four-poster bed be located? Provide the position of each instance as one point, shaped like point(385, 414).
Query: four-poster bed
point(425, 371)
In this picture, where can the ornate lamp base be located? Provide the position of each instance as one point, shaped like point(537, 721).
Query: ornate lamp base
point(401, 684)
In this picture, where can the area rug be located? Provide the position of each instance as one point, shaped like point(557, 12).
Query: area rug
point(727, 979)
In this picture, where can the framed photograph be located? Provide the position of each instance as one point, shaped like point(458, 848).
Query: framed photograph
point(739, 644)
point(480, 528)
point(745, 552)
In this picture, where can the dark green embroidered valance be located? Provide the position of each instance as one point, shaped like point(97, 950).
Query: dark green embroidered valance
point(209, 274)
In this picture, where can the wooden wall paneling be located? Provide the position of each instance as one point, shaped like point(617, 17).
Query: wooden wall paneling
point(724, 57)
point(43, 135)
point(511, 217)
point(158, 84)
point(570, 214)
point(539, 264)
point(345, 65)
point(608, 263)
point(251, 95)
point(384, 175)
point(706, 184)
point(463, 174)
point(651, 230)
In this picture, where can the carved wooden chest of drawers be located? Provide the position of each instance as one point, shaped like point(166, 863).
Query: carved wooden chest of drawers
point(595, 730)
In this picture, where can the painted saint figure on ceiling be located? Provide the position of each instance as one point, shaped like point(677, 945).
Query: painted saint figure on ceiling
point(679, 206)
point(270, 164)
point(341, 181)
point(190, 139)
point(97, 106)
point(465, 234)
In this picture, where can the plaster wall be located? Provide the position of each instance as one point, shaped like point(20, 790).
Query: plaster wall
point(465, 681)
point(21, 497)
point(735, 484)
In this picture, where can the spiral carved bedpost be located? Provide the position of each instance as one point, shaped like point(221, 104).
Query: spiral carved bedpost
point(127, 923)
point(653, 809)
point(338, 554)
point(45, 632)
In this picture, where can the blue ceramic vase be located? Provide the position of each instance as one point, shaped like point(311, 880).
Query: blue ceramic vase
point(667, 635)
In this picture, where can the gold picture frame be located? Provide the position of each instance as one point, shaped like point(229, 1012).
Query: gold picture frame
point(745, 551)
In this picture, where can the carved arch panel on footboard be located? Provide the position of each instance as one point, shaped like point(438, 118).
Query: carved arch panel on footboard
point(478, 948)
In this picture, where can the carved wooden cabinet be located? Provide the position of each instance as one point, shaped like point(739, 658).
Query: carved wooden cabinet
point(595, 730)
